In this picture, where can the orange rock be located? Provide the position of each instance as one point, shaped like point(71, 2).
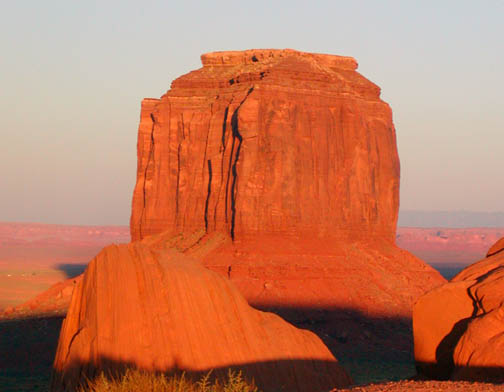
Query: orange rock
point(160, 311)
point(478, 354)
point(268, 141)
point(439, 319)
point(496, 248)
point(459, 327)
point(292, 156)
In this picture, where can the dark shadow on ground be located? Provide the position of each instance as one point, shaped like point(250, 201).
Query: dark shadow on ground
point(27, 350)
point(448, 271)
point(371, 349)
point(269, 376)
point(71, 270)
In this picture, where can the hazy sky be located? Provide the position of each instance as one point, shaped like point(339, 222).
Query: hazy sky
point(73, 73)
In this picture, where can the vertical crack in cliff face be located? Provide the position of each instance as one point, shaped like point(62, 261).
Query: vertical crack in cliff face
point(223, 139)
point(236, 136)
point(181, 138)
point(209, 192)
point(178, 182)
point(149, 161)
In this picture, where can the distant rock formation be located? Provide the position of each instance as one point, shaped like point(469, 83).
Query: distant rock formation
point(292, 156)
point(446, 245)
point(162, 311)
point(459, 327)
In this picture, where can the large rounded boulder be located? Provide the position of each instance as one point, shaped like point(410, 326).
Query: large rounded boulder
point(158, 310)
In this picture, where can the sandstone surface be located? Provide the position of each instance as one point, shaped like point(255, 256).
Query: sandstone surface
point(459, 327)
point(159, 310)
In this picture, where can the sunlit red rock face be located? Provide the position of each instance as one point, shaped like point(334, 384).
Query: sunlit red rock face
point(459, 327)
point(159, 310)
point(289, 159)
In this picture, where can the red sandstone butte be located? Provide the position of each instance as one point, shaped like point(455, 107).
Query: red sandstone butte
point(279, 169)
point(159, 310)
point(459, 327)
point(268, 141)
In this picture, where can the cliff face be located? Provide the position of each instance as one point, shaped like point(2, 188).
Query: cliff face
point(268, 141)
point(459, 327)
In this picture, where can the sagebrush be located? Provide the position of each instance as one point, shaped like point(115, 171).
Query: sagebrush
point(136, 380)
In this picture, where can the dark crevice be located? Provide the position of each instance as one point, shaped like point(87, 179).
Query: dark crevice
point(178, 182)
point(223, 139)
point(226, 199)
point(209, 191)
point(149, 159)
point(71, 342)
point(236, 136)
point(222, 151)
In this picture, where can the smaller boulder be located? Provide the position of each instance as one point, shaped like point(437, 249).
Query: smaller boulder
point(496, 248)
point(459, 327)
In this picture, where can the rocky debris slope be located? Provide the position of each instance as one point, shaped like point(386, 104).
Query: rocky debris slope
point(161, 311)
point(52, 302)
point(459, 327)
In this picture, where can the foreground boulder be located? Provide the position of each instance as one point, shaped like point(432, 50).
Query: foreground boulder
point(162, 311)
point(459, 327)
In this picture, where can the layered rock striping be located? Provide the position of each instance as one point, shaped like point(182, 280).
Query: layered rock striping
point(268, 141)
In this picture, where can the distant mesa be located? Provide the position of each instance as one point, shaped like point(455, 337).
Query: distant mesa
point(278, 170)
point(496, 248)
point(459, 327)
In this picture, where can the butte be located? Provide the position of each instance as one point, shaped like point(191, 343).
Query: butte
point(279, 170)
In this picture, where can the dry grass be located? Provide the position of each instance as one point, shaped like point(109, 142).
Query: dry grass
point(136, 380)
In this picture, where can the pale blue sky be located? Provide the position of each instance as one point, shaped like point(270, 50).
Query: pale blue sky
point(73, 74)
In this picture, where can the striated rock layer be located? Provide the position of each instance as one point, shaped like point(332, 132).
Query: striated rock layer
point(459, 327)
point(159, 310)
point(268, 141)
point(279, 169)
